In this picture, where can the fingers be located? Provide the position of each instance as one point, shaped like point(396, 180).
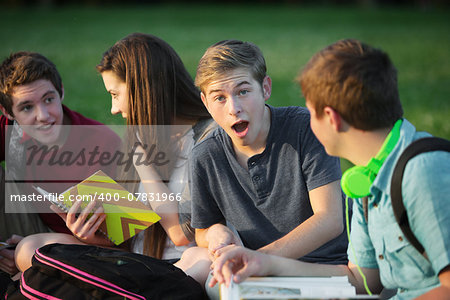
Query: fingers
point(228, 251)
point(212, 282)
point(213, 248)
point(221, 237)
point(219, 246)
point(223, 265)
point(235, 264)
point(7, 254)
point(72, 213)
point(224, 273)
point(7, 263)
point(8, 266)
point(216, 272)
point(14, 239)
point(243, 273)
point(220, 259)
point(87, 223)
point(227, 272)
point(85, 213)
point(94, 222)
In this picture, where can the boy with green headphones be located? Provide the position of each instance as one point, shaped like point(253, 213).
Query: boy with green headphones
point(351, 93)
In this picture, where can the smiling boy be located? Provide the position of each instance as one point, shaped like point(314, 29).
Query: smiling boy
point(262, 171)
point(43, 125)
point(31, 95)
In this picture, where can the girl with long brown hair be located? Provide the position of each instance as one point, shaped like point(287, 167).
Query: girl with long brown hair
point(153, 91)
point(151, 88)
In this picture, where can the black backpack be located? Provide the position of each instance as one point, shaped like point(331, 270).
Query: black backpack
point(415, 148)
point(89, 272)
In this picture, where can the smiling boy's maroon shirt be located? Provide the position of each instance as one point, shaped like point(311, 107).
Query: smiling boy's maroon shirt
point(66, 176)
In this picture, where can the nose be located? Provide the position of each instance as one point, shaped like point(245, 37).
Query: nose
point(234, 106)
point(114, 109)
point(42, 113)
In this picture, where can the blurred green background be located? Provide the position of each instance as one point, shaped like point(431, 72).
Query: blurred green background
point(74, 37)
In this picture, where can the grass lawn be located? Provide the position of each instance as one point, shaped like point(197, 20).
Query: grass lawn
point(75, 38)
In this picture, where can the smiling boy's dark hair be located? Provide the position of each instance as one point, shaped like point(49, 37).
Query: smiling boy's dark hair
point(229, 55)
point(23, 68)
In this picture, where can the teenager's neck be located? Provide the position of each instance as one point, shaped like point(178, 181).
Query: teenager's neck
point(363, 145)
point(243, 153)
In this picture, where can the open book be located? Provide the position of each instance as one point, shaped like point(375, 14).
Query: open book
point(125, 215)
point(335, 287)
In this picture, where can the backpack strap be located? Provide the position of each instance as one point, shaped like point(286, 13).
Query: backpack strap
point(415, 148)
point(365, 204)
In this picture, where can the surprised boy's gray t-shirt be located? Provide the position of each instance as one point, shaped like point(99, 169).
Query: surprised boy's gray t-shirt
point(271, 198)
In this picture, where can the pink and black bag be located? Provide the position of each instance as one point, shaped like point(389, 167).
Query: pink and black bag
point(88, 272)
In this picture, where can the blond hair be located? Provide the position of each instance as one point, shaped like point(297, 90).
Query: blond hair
point(229, 55)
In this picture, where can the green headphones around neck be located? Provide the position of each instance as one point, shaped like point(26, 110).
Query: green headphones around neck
point(357, 180)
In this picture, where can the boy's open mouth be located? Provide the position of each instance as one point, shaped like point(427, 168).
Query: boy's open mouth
point(240, 128)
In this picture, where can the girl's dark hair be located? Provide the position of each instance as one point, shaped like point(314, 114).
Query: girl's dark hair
point(159, 86)
point(159, 89)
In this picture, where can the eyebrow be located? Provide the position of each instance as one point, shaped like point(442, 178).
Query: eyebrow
point(48, 93)
point(26, 102)
point(238, 85)
point(23, 103)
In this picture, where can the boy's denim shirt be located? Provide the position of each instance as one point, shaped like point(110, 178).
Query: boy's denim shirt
point(381, 244)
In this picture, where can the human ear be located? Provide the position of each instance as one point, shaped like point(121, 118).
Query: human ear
point(334, 118)
point(5, 112)
point(62, 92)
point(267, 87)
point(205, 102)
